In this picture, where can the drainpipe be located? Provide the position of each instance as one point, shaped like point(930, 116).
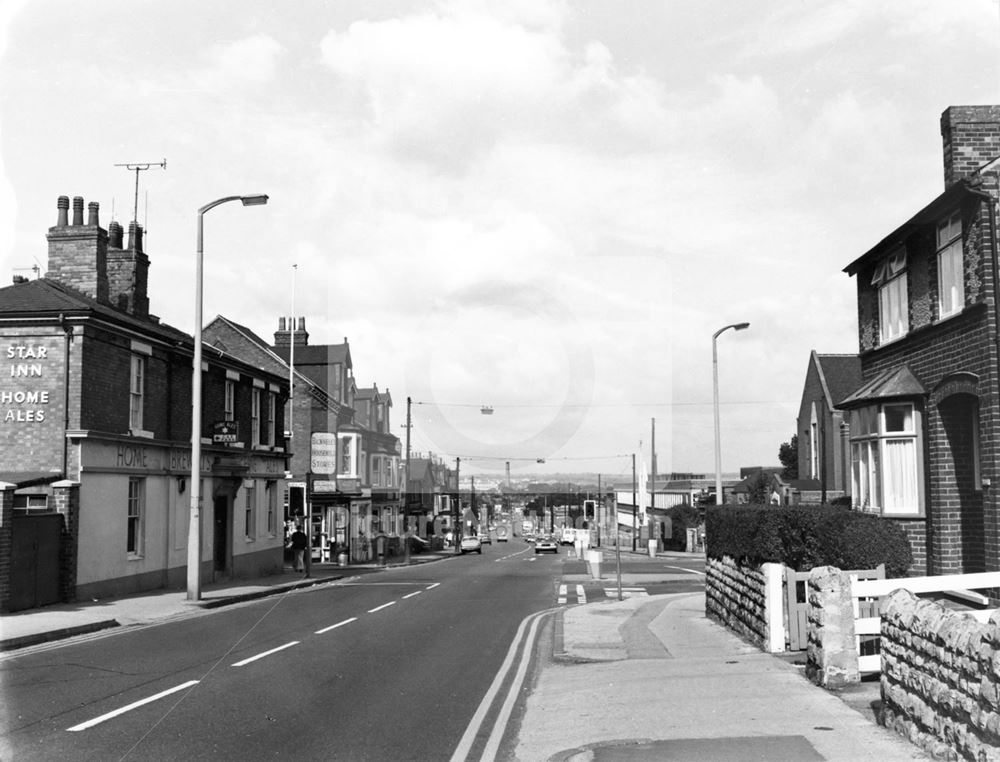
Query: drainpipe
point(68, 331)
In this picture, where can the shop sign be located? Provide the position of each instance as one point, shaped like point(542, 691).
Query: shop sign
point(324, 485)
point(323, 453)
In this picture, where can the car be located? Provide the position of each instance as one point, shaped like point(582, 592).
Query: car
point(529, 536)
point(470, 544)
point(485, 539)
point(546, 544)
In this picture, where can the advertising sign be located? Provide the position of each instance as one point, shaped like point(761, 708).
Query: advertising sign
point(225, 432)
point(323, 453)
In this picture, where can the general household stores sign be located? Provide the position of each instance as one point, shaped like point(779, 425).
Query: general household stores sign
point(323, 453)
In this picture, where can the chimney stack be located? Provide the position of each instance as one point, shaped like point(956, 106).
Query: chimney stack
point(78, 253)
point(128, 271)
point(287, 333)
point(971, 137)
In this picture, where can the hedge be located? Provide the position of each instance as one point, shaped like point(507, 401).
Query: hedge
point(804, 537)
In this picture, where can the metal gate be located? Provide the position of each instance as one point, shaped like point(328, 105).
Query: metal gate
point(34, 578)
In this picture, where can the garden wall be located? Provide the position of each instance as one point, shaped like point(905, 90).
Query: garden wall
point(736, 597)
point(941, 678)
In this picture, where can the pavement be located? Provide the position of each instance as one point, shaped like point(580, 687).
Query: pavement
point(644, 678)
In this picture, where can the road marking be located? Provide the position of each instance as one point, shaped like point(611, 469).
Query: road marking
point(433, 586)
point(627, 592)
point(383, 606)
point(503, 717)
point(335, 626)
point(130, 707)
point(266, 653)
point(410, 595)
point(689, 571)
point(581, 595)
point(562, 594)
point(471, 732)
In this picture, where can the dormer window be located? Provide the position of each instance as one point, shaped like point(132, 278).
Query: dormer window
point(890, 278)
point(951, 279)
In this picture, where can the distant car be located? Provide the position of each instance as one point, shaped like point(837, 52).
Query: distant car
point(546, 544)
point(484, 538)
point(529, 536)
point(501, 534)
point(471, 544)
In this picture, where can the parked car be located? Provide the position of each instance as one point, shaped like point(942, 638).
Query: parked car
point(470, 544)
point(546, 544)
point(484, 538)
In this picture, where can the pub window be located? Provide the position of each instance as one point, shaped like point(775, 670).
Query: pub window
point(255, 421)
point(230, 404)
point(249, 514)
point(137, 388)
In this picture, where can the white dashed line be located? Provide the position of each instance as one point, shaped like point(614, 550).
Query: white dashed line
point(130, 707)
point(562, 594)
point(266, 653)
point(383, 606)
point(410, 595)
point(335, 626)
point(581, 596)
point(433, 586)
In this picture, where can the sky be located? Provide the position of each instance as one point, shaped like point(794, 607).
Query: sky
point(544, 208)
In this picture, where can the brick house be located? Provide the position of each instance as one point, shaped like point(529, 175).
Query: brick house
point(344, 460)
point(95, 445)
point(824, 453)
point(925, 421)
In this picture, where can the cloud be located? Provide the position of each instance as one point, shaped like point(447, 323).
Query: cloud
point(248, 62)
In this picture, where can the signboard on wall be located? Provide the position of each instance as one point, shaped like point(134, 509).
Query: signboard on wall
point(225, 432)
point(323, 453)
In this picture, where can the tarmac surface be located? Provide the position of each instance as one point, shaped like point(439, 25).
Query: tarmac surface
point(645, 678)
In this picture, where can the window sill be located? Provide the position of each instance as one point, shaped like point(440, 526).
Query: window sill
point(134, 557)
point(141, 433)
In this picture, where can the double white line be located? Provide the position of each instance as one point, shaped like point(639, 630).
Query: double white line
point(526, 646)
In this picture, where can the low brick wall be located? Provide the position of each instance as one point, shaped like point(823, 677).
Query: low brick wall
point(735, 596)
point(941, 678)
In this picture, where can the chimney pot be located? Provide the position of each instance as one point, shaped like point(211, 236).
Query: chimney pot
point(134, 236)
point(92, 213)
point(63, 205)
point(302, 323)
point(281, 324)
point(78, 210)
point(116, 235)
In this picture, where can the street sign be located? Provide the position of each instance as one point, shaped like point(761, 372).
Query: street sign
point(225, 432)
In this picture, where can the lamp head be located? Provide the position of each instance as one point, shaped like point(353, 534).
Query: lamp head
point(741, 326)
point(258, 200)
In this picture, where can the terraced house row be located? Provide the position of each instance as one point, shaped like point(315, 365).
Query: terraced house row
point(95, 453)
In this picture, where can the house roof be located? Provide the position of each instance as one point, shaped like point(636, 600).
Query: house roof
point(47, 298)
point(951, 198)
point(839, 374)
point(893, 383)
point(28, 478)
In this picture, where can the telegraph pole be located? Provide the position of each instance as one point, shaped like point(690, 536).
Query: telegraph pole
point(456, 509)
point(634, 530)
point(406, 490)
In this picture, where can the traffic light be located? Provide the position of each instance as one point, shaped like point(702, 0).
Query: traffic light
point(589, 509)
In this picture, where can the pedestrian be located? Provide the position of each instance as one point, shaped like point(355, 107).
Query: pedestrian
point(299, 544)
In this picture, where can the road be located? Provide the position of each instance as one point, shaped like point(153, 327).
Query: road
point(387, 666)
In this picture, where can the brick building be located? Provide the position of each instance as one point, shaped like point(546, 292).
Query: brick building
point(345, 463)
point(96, 429)
point(824, 453)
point(925, 421)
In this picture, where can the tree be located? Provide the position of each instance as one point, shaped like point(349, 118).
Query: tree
point(759, 489)
point(788, 454)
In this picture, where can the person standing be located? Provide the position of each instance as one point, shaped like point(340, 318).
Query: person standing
point(299, 544)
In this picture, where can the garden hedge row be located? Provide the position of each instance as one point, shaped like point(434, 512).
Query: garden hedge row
point(804, 537)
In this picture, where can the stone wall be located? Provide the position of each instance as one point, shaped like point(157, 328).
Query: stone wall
point(941, 678)
point(831, 651)
point(735, 596)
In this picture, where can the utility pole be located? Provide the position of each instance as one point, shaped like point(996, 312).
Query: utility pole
point(406, 490)
point(652, 464)
point(634, 529)
point(456, 509)
point(597, 510)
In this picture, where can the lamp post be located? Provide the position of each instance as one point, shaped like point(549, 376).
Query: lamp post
point(715, 406)
point(194, 526)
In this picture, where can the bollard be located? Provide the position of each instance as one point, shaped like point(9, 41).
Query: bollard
point(651, 544)
point(594, 563)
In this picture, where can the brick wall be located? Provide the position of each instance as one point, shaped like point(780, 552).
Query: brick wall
point(32, 398)
point(940, 688)
point(66, 496)
point(970, 137)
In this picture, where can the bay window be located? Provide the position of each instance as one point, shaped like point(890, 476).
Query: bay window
point(886, 466)
point(348, 460)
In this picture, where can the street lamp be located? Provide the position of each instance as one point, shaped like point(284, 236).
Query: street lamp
point(715, 406)
point(194, 526)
